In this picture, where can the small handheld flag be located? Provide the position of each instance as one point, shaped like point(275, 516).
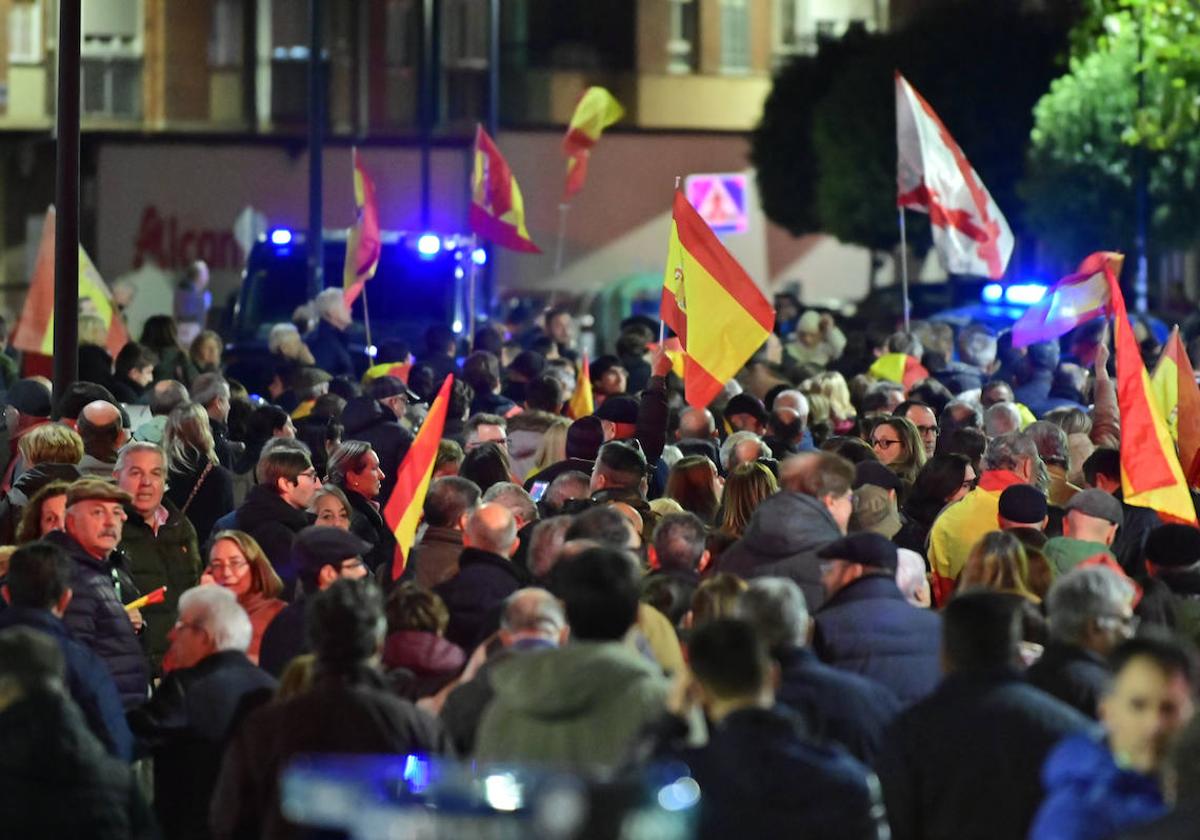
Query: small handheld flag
point(157, 596)
point(582, 402)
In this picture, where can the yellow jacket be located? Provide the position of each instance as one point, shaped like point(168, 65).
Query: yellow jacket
point(961, 525)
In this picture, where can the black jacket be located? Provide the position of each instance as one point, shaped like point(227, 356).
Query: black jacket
point(475, 595)
point(274, 524)
point(13, 502)
point(966, 761)
point(126, 390)
point(213, 499)
point(285, 638)
point(372, 422)
point(339, 714)
point(761, 777)
point(329, 350)
point(57, 781)
point(488, 403)
point(186, 726)
point(89, 683)
point(441, 364)
point(840, 707)
point(366, 521)
point(229, 452)
point(1075, 676)
point(96, 616)
point(869, 628)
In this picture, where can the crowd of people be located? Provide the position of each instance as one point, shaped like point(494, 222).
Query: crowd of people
point(885, 585)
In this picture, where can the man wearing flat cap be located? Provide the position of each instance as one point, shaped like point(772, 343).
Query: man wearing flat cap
point(101, 585)
point(1089, 528)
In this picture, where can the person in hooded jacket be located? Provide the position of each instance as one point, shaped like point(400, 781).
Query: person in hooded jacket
point(374, 418)
point(415, 651)
point(276, 509)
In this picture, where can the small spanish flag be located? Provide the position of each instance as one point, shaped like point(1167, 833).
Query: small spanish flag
point(35, 328)
point(712, 304)
point(497, 211)
point(403, 510)
point(364, 243)
point(156, 596)
point(582, 402)
point(596, 111)
point(1178, 399)
point(900, 368)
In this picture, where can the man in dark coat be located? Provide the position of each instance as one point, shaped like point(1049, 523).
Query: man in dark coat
point(486, 576)
point(276, 509)
point(101, 585)
point(55, 778)
point(38, 590)
point(1091, 612)
point(965, 761)
point(187, 723)
point(348, 709)
point(868, 626)
point(374, 418)
point(328, 341)
point(449, 503)
point(838, 706)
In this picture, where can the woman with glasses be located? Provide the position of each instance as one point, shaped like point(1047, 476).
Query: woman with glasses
point(898, 445)
point(944, 479)
point(199, 486)
point(236, 563)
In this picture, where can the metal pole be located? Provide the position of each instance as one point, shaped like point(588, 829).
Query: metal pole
point(904, 267)
point(1141, 283)
point(493, 117)
point(563, 209)
point(66, 202)
point(426, 108)
point(316, 131)
point(470, 320)
point(371, 349)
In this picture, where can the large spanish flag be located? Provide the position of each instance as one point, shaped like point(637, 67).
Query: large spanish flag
point(364, 243)
point(725, 318)
point(1178, 397)
point(402, 513)
point(596, 111)
point(35, 328)
point(582, 401)
point(497, 210)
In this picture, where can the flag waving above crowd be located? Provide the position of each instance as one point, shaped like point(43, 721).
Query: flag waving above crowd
point(363, 241)
point(596, 111)
point(497, 211)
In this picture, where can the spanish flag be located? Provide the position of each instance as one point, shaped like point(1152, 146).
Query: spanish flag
point(712, 304)
point(582, 402)
point(403, 510)
point(497, 210)
point(35, 328)
point(400, 370)
point(899, 367)
point(364, 243)
point(1150, 473)
point(596, 111)
point(1178, 398)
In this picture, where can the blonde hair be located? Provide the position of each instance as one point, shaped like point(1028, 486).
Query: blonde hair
point(284, 339)
point(715, 597)
point(262, 575)
point(553, 447)
point(51, 443)
point(819, 409)
point(998, 562)
point(187, 437)
point(198, 342)
point(832, 386)
point(93, 330)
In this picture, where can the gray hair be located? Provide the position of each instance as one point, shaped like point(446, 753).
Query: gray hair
point(138, 446)
point(1082, 595)
point(977, 346)
point(910, 577)
point(971, 405)
point(1050, 440)
point(1001, 419)
point(221, 616)
point(794, 400)
point(776, 608)
point(1005, 452)
point(734, 440)
point(208, 387)
point(281, 334)
point(514, 497)
point(328, 300)
point(534, 611)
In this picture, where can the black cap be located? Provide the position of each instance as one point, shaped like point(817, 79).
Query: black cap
point(1023, 504)
point(746, 404)
point(30, 397)
point(619, 409)
point(584, 438)
point(865, 547)
point(317, 546)
point(1099, 504)
point(383, 387)
point(1173, 546)
point(873, 472)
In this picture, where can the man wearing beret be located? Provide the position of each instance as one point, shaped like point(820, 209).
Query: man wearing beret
point(1173, 558)
point(1089, 528)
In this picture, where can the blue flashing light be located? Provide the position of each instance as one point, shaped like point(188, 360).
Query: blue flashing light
point(458, 273)
point(992, 293)
point(429, 245)
point(281, 236)
point(457, 326)
point(479, 256)
point(1025, 294)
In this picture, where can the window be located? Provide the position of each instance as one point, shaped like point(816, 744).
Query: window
point(402, 41)
point(735, 36)
point(225, 42)
point(681, 48)
point(111, 59)
point(25, 32)
point(465, 34)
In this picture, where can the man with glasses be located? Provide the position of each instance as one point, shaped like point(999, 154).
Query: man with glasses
point(924, 419)
point(1091, 612)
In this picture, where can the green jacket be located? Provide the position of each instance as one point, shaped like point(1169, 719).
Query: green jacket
point(171, 559)
point(1065, 553)
point(583, 704)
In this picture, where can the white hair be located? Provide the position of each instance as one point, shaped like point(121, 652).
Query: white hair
point(1082, 595)
point(910, 577)
point(776, 608)
point(328, 300)
point(1000, 419)
point(794, 400)
point(534, 611)
point(221, 616)
point(280, 335)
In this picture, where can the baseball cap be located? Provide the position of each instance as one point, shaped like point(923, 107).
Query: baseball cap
point(1023, 504)
point(866, 547)
point(746, 404)
point(875, 474)
point(383, 387)
point(619, 409)
point(874, 511)
point(1097, 503)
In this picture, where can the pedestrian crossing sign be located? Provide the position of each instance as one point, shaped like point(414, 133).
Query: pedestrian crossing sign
point(720, 199)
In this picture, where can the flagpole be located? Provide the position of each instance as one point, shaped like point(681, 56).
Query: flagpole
point(470, 319)
point(904, 267)
point(563, 209)
point(367, 324)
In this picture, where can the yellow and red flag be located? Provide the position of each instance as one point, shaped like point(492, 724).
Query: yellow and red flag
point(1178, 398)
point(35, 328)
point(1073, 300)
point(582, 402)
point(900, 368)
point(497, 210)
point(712, 304)
point(596, 111)
point(402, 513)
point(364, 242)
point(673, 347)
point(400, 370)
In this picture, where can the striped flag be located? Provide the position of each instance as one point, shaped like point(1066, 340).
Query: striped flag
point(402, 512)
point(497, 211)
point(900, 368)
point(596, 111)
point(35, 328)
point(582, 402)
point(1178, 398)
point(1073, 300)
point(364, 243)
point(712, 304)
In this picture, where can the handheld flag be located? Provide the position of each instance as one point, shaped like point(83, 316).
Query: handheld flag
point(497, 210)
point(403, 510)
point(596, 111)
point(35, 328)
point(155, 597)
point(1073, 300)
point(933, 176)
point(899, 367)
point(673, 347)
point(582, 402)
point(1178, 397)
point(364, 244)
point(725, 318)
